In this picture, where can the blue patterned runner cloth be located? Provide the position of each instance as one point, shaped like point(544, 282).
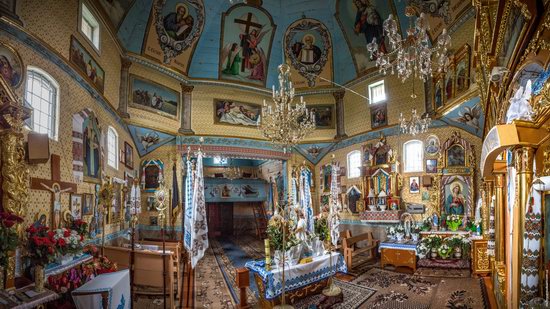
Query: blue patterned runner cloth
point(297, 276)
point(394, 244)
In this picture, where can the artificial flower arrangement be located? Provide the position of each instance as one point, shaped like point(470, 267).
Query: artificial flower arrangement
point(444, 250)
point(454, 222)
point(8, 235)
point(435, 245)
point(428, 244)
point(68, 241)
point(275, 233)
point(474, 226)
point(41, 246)
point(415, 232)
point(80, 226)
point(459, 244)
point(321, 227)
point(427, 224)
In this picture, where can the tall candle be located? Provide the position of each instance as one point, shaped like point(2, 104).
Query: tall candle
point(546, 277)
point(267, 254)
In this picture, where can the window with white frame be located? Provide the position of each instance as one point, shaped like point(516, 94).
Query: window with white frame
point(377, 92)
point(354, 164)
point(42, 93)
point(413, 155)
point(89, 25)
point(112, 148)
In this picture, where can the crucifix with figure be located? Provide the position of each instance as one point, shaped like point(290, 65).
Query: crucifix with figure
point(56, 187)
point(245, 38)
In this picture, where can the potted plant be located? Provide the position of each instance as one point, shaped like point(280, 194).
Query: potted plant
point(444, 251)
point(459, 244)
point(427, 224)
point(9, 242)
point(41, 251)
point(454, 222)
point(432, 242)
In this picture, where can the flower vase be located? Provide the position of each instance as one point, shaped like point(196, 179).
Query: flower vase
point(458, 252)
point(434, 253)
point(39, 278)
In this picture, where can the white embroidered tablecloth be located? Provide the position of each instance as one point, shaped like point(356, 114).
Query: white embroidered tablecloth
point(116, 284)
point(394, 244)
point(297, 276)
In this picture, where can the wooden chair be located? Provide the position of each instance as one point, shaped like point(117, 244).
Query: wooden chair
point(351, 248)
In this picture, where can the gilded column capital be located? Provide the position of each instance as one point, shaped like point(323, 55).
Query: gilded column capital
point(523, 159)
point(125, 63)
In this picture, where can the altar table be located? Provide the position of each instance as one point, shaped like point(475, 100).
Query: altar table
point(398, 253)
point(110, 290)
point(296, 276)
point(9, 300)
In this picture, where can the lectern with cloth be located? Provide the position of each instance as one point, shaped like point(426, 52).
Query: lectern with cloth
point(107, 291)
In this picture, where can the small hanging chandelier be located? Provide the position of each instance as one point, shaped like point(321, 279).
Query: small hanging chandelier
point(413, 55)
point(283, 122)
point(416, 125)
point(232, 172)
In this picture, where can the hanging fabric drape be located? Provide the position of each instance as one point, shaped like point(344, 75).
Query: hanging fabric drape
point(305, 198)
point(294, 200)
point(491, 232)
point(334, 219)
point(199, 230)
point(188, 204)
point(135, 200)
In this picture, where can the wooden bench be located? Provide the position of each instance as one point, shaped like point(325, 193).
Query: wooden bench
point(148, 270)
point(351, 248)
point(175, 248)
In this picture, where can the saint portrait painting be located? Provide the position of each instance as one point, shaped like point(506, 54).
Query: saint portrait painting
point(414, 184)
point(173, 32)
point(236, 113)
point(455, 156)
point(455, 202)
point(11, 66)
point(246, 43)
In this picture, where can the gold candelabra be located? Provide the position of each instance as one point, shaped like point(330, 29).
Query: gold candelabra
point(284, 122)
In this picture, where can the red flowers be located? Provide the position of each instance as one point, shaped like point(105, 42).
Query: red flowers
point(41, 246)
point(66, 233)
point(61, 242)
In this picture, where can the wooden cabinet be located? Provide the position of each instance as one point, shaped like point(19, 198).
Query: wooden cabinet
point(398, 257)
point(480, 258)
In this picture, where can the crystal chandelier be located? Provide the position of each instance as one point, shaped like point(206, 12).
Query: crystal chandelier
point(232, 172)
point(414, 126)
point(283, 122)
point(412, 55)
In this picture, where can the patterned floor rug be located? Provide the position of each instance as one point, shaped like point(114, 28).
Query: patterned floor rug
point(442, 272)
point(404, 291)
point(354, 297)
point(211, 290)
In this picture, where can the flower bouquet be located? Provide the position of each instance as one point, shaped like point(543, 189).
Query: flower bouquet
point(41, 251)
point(390, 232)
point(427, 224)
point(399, 232)
point(81, 227)
point(458, 244)
point(68, 243)
point(415, 232)
point(321, 228)
point(454, 222)
point(8, 235)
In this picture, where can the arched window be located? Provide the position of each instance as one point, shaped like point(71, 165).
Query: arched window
point(413, 155)
point(354, 164)
point(42, 93)
point(112, 148)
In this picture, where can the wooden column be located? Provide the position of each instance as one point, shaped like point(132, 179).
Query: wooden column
point(523, 161)
point(500, 207)
point(123, 90)
point(340, 124)
point(185, 109)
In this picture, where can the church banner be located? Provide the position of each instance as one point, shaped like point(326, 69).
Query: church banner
point(173, 31)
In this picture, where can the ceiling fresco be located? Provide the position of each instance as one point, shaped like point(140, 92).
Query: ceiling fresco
point(146, 140)
point(209, 39)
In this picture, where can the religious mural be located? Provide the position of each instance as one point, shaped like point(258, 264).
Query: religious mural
point(173, 31)
point(324, 116)
point(150, 96)
point(86, 147)
point(468, 116)
point(86, 64)
point(308, 46)
point(513, 29)
point(236, 113)
point(361, 21)
point(455, 201)
point(116, 10)
point(246, 36)
point(151, 173)
point(441, 14)
point(11, 65)
point(378, 115)
point(147, 140)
